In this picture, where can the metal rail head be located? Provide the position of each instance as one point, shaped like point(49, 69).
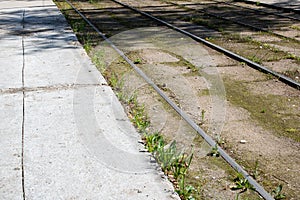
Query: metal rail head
point(206, 137)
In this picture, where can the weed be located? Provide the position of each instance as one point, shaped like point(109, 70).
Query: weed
point(154, 142)
point(237, 196)
point(221, 141)
point(255, 59)
point(241, 183)
point(277, 193)
point(202, 116)
point(78, 26)
point(137, 114)
point(291, 130)
point(209, 38)
point(269, 76)
point(113, 81)
point(290, 56)
point(137, 61)
point(166, 157)
point(185, 191)
point(214, 151)
point(98, 60)
point(294, 74)
point(173, 163)
point(87, 45)
point(295, 27)
point(181, 164)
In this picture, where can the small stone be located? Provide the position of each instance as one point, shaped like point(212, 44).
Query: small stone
point(243, 141)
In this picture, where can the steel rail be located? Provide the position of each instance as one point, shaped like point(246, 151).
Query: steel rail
point(239, 22)
point(206, 137)
point(256, 10)
point(230, 54)
point(285, 9)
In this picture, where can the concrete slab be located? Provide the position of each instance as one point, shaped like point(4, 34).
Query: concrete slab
point(11, 55)
point(11, 146)
point(67, 157)
point(77, 142)
point(21, 4)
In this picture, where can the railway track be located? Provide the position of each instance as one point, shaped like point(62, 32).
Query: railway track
point(259, 9)
point(276, 7)
point(228, 14)
point(259, 20)
point(231, 54)
point(194, 125)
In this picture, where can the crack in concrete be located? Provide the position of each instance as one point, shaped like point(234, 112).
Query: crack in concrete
point(23, 109)
point(24, 90)
point(48, 88)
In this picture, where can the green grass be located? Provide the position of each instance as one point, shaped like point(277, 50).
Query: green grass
point(173, 162)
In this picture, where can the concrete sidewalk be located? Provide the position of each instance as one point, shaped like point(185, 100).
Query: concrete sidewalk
point(64, 135)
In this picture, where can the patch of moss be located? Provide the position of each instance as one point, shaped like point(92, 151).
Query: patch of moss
point(204, 92)
point(272, 112)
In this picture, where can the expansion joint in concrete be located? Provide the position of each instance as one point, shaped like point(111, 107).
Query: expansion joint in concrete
point(23, 109)
point(48, 88)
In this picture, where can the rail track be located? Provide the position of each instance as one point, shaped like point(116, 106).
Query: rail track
point(258, 9)
point(231, 54)
point(194, 125)
point(260, 23)
point(276, 7)
point(226, 13)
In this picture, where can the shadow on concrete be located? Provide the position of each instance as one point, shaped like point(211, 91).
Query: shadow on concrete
point(45, 28)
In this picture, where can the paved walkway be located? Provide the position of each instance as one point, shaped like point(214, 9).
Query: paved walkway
point(64, 134)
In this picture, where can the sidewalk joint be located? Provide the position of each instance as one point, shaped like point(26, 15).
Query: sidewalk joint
point(48, 88)
point(23, 103)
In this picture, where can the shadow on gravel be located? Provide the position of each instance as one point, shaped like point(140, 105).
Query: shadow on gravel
point(289, 4)
point(207, 14)
point(112, 20)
